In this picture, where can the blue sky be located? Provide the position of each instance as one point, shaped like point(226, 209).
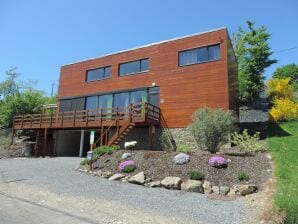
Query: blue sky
point(40, 36)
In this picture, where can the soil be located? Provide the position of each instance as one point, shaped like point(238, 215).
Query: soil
point(12, 151)
point(159, 164)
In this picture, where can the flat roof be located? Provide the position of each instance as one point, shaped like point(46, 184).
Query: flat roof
point(148, 45)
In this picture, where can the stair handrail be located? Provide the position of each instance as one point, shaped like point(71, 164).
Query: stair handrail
point(167, 132)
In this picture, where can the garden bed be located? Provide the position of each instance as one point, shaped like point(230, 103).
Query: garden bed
point(159, 164)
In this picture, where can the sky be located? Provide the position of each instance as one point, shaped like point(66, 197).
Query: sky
point(38, 37)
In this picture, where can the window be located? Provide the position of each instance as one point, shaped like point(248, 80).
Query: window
point(98, 74)
point(134, 67)
point(139, 96)
point(198, 55)
point(91, 102)
point(72, 104)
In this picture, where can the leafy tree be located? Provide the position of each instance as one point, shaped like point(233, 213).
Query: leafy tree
point(287, 71)
point(252, 52)
point(9, 86)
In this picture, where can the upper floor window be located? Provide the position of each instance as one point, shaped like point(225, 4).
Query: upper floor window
point(134, 67)
point(98, 74)
point(198, 55)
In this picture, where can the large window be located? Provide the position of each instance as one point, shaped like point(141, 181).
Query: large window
point(134, 67)
point(72, 104)
point(199, 55)
point(98, 74)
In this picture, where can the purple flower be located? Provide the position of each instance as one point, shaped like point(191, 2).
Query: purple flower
point(217, 161)
point(125, 163)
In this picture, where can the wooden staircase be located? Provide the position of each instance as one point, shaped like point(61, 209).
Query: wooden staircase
point(118, 137)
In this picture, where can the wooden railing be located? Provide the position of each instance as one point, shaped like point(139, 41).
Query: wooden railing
point(138, 112)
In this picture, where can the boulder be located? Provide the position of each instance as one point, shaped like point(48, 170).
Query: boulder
point(215, 189)
point(246, 189)
point(223, 190)
point(126, 155)
point(117, 176)
point(193, 186)
point(207, 187)
point(172, 183)
point(106, 174)
point(137, 179)
point(181, 158)
point(154, 184)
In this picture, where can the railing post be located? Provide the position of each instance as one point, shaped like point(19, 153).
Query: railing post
point(40, 120)
point(117, 121)
point(22, 121)
point(31, 121)
point(87, 117)
point(51, 119)
point(62, 118)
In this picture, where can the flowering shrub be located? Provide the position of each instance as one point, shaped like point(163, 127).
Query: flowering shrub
point(279, 88)
point(284, 109)
point(130, 145)
point(218, 162)
point(247, 142)
point(127, 166)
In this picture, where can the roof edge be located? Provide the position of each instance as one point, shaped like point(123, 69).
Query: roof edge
point(148, 45)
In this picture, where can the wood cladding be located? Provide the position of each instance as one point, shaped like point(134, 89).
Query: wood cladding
point(182, 89)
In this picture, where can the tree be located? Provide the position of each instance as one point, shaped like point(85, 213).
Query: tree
point(253, 53)
point(9, 86)
point(287, 71)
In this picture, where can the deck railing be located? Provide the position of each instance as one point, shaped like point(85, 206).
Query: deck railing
point(138, 112)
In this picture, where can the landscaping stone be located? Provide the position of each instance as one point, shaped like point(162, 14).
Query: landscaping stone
point(137, 179)
point(232, 192)
point(154, 184)
point(247, 189)
point(126, 155)
point(117, 176)
point(106, 174)
point(172, 183)
point(181, 158)
point(193, 186)
point(207, 187)
point(215, 189)
point(223, 190)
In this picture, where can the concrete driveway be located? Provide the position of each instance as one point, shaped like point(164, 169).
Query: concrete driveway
point(49, 190)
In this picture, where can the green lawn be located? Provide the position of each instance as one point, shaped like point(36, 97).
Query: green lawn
point(283, 144)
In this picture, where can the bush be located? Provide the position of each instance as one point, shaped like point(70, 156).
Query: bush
point(218, 162)
point(279, 88)
point(195, 175)
point(242, 176)
point(129, 169)
point(84, 162)
point(165, 141)
point(101, 150)
point(248, 143)
point(184, 149)
point(211, 128)
point(284, 109)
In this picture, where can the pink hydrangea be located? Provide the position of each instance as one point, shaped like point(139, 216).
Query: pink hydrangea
point(218, 161)
point(126, 163)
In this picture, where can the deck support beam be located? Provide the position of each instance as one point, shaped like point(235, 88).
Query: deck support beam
point(36, 143)
point(82, 143)
point(45, 139)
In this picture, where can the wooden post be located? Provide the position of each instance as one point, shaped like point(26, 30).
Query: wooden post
point(74, 118)
point(36, 144)
point(150, 136)
point(62, 117)
point(101, 135)
point(22, 122)
point(12, 134)
point(40, 120)
point(45, 142)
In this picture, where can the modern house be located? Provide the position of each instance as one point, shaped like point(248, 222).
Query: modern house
point(138, 94)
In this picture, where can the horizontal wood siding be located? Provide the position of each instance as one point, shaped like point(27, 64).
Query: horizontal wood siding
point(182, 89)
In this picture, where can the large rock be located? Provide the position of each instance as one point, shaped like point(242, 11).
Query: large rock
point(137, 179)
point(181, 158)
point(106, 174)
point(223, 190)
point(246, 189)
point(154, 184)
point(193, 186)
point(215, 189)
point(172, 183)
point(126, 155)
point(117, 176)
point(207, 187)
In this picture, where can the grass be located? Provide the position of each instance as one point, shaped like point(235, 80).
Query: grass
point(283, 143)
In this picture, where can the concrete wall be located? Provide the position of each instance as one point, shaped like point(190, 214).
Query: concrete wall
point(67, 143)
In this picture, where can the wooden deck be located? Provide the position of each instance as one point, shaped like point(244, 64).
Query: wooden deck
point(140, 114)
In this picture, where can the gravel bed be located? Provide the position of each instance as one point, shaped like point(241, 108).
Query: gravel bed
point(158, 164)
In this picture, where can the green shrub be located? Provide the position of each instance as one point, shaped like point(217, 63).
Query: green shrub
point(242, 176)
point(248, 143)
point(196, 175)
point(129, 169)
point(84, 162)
point(101, 150)
point(184, 149)
point(165, 141)
point(211, 128)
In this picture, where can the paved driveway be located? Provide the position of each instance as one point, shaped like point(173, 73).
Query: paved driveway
point(49, 190)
